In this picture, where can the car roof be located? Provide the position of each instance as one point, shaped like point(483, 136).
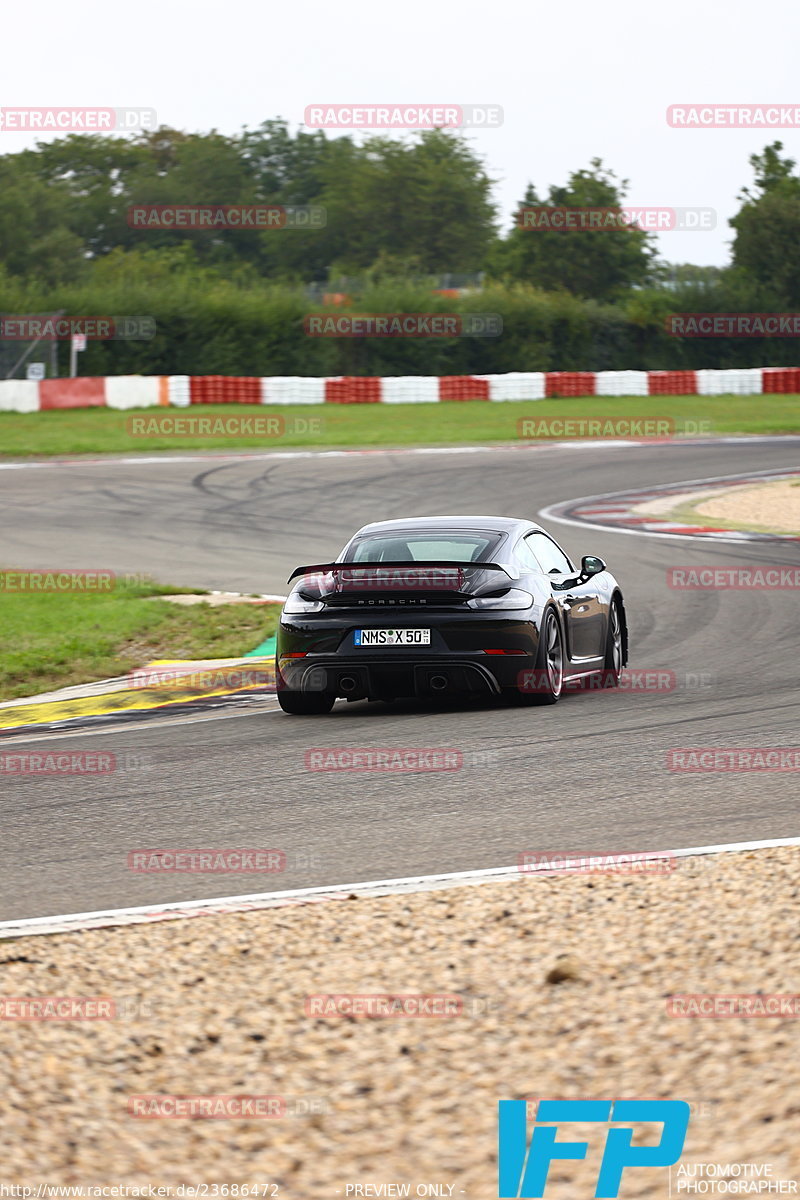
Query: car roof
point(451, 524)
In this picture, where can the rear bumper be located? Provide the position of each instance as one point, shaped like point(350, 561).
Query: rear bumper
point(386, 678)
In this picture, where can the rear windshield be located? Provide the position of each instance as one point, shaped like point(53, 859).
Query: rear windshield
point(424, 547)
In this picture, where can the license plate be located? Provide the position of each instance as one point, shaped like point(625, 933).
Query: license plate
point(393, 637)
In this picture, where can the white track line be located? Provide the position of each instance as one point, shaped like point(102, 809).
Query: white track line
point(259, 900)
point(492, 448)
point(233, 456)
point(547, 515)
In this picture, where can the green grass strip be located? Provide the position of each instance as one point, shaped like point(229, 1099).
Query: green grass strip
point(70, 432)
point(48, 641)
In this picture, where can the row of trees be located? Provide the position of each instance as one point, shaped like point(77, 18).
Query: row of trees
point(399, 216)
point(422, 207)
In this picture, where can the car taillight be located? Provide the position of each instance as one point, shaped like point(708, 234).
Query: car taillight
point(512, 598)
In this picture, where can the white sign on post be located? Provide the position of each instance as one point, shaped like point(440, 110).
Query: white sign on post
point(77, 344)
point(35, 370)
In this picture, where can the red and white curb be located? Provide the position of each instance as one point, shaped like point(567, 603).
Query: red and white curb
point(223, 905)
point(618, 510)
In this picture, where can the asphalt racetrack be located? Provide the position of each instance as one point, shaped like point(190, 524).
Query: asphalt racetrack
point(587, 775)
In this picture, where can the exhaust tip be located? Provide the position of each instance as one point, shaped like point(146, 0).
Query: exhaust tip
point(438, 682)
point(347, 683)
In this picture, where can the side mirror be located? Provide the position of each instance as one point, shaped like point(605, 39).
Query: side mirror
point(591, 565)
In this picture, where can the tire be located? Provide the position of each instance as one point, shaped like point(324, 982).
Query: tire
point(549, 664)
point(612, 666)
point(306, 704)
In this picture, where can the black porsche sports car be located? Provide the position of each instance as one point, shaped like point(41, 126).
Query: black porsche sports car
point(448, 607)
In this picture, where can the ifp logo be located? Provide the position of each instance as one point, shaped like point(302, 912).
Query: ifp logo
point(523, 1169)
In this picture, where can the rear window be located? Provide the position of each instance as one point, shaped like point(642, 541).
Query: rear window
point(422, 547)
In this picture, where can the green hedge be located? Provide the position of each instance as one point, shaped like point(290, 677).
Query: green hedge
point(211, 325)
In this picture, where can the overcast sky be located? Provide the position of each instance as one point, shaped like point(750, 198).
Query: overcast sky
point(575, 80)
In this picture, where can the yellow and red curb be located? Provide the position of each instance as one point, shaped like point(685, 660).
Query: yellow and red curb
point(161, 684)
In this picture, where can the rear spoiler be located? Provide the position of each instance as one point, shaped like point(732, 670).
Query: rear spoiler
point(325, 568)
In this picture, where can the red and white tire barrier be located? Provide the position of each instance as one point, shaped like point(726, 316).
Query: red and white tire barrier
point(180, 391)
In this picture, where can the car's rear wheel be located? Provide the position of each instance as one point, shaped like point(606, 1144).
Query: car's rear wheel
point(306, 704)
point(612, 667)
point(548, 675)
point(552, 655)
